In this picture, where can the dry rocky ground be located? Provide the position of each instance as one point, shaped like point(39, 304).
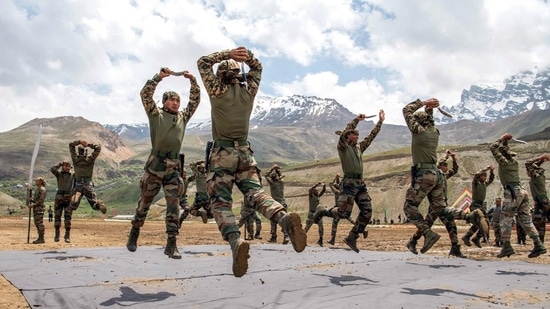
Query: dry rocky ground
point(105, 233)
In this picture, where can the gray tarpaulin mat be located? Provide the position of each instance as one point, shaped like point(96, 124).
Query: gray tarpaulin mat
point(277, 278)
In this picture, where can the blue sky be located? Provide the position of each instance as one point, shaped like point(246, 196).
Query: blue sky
point(91, 58)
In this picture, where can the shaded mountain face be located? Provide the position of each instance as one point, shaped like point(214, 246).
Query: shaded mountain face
point(526, 91)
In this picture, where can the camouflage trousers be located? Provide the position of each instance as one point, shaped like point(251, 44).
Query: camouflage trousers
point(185, 209)
point(474, 229)
point(273, 229)
point(519, 207)
point(84, 189)
point(38, 217)
point(201, 201)
point(236, 165)
point(249, 224)
point(353, 191)
point(63, 208)
point(160, 172)
point(448, 217)
point(541, 213)
point(309, 224)
point(425, 183)
point(496, 231)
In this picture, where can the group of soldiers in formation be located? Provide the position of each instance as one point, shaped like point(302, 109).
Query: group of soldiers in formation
point(72, 186)
point(230, 161)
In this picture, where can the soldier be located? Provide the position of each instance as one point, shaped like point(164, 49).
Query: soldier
point(449, 214)
point(314, 200)
point(537, 185)
point(426, 178)
point(248, 219)
point(184, 203)
point(231, 159)
point(353, 188)
point(83, 173)
point(335, 188)
point(479, 192)
point(277, 189)
point(516, 199)
point(37, 204)
point(494, 214)
point(62, 205)
point(201, 197)
point(162, 169)
point(50, 214)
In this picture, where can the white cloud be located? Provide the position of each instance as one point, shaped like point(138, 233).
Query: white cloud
point(91, 59)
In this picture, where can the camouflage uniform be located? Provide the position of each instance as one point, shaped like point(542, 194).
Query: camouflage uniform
point(37, 204)
point(426, 179)
point(447, 216)
point(201, 197)
point(479, 192)
point(516, 200)
point(83, 172)
point(248, 219)
point(335, 188)
point(494, 214)
point(184, 202)
point(231, 158)
point(352, 188)
point(163, 167)
point(314, 200)
point(537, 185)
point(62, 205)
point(277, 189)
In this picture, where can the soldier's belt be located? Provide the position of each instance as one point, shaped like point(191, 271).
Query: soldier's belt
point(165, 154)
point(83, 179)
point(221, 143)
point(425, 166)
point(63, 192)
point(353, 176)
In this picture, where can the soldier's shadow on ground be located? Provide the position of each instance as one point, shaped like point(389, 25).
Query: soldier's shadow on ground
point(438, 266)
point(129, 297)
point(349, 280)
point(435, 292)
point(519, 273)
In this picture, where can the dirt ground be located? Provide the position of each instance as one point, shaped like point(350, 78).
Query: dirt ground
point(106, 233)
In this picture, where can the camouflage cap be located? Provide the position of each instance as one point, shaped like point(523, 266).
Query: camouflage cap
point(170, 95)
point(227, 65)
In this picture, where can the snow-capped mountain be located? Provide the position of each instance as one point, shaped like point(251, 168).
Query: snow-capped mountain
point(307, 112)
point(522, 92)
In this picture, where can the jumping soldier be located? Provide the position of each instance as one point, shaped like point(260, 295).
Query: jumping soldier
point(516, 199)
point(277, 189)
point(231, 161)
point(537, 185)
point(314, 195)
point(162, 169)
point(201, 197)
point(479, 192)
point(62, 205)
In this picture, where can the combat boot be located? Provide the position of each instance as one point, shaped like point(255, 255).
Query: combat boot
point(39, 240)
point(332, 240)
point(320, 241)
point(466, 240)
point(285, 240)
point(506, 250)
point(273, 238)
point(411, 245)
point(131, 245)
point(204, 216)
point(239, 249)
point(455, 251)
point(257, 235)
point(101, 206)
point(292, 226)
point(351, 241)
point(67, 236)
point(477, 241)
point(56, 236)
point(537, 250)
point(430, 238)
point(477, 218)
point(171, 248)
